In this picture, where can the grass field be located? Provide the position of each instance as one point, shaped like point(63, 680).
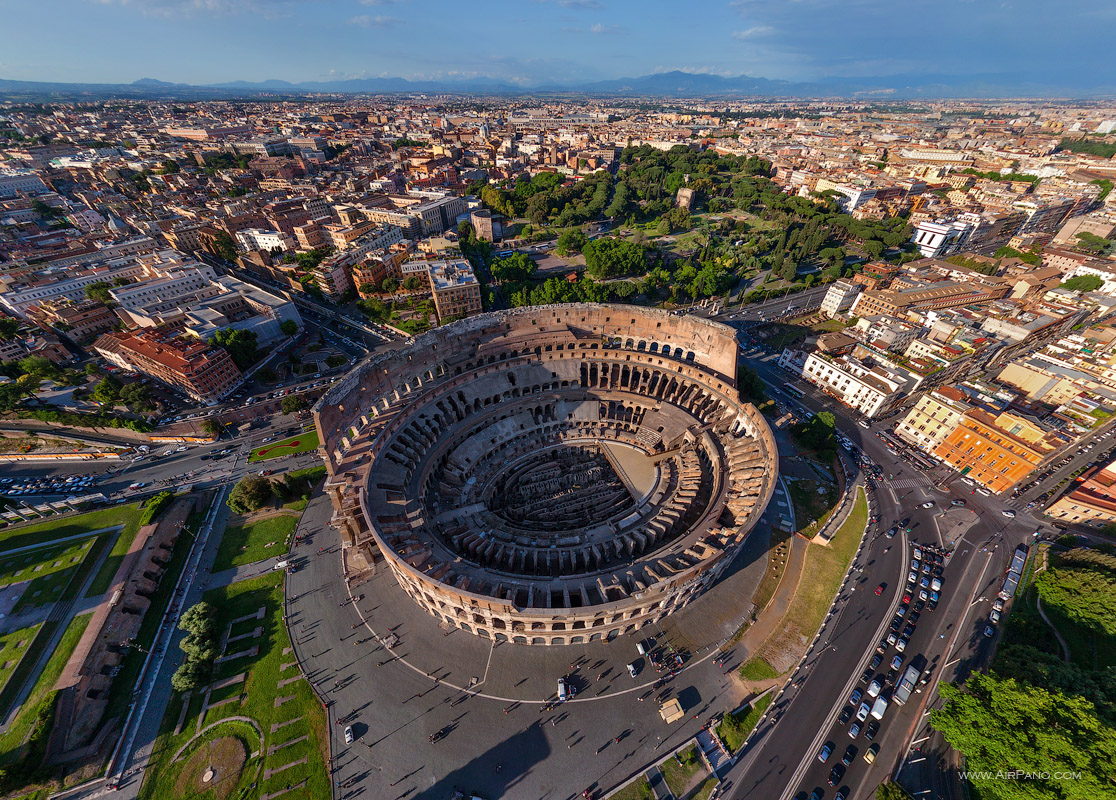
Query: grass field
point(757, 669)
point(735, 728)
point(21, 566)
point(42, 694)
point(638, 790)
point(13, 646)
point(825, 567)
point(680, 768)
point(260, 689)
point(254, 541)
point(303, 443)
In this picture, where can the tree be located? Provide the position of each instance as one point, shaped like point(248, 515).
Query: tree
point(292, 404)
point(1081, 584)
point(99, 291)
point(891, 791)
point(610, 258)
point(1001, 725)
point(224, 246)
point(240, 344)
point(516, 268)
point(107, 391)
point(389, 285)
point(1082, 283)
point(137, 397)
point(189, 676)
point(412, 283)
point(40, 368)
point(198, 619)
point(169, 167)
point(9, 328)
point(250, 494)
point(288, 327)
point(211, 427)
point(571, 240)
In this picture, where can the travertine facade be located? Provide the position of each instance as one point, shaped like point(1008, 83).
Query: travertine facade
point(550, 475)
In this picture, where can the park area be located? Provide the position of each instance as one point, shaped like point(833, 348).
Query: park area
point(255, 728)
point(303, 443)
point(256, 538)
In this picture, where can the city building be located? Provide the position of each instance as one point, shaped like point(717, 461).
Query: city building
point(840, 297)
point(1092, 502)
point(936, 415)
point(456, 289)
point(204, 372)
point(997, 450)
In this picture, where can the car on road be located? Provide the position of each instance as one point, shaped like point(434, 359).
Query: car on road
point(928, 504)
point(855, 697)
point(348, 734)
point(845, 716)
point(874, 688)
point(862, 712)
point(867, 676)
point(835, 775)
point(912, 576)
point(901, 645)
point(871, 731)
point(892, 531)
point(825, 752)
point(892, 638)
point(633, 670)
point(897, 662)
point(854, 730)
point(871, 753)
point(1007, 512)
point(989, 631)
point(875, 662)
point(957, 502)
point(879, 589)
point(994, 617)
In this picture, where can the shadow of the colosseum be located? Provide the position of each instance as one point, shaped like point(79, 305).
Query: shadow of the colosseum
point(498, 771)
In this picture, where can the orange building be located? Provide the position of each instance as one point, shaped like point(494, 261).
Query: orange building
point(996, 451)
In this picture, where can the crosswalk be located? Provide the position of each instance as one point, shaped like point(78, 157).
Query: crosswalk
point(907, 483)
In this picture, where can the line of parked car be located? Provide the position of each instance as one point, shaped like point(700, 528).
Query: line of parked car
point(45, 485)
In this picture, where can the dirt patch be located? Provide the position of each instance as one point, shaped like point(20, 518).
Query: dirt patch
point(220, 760)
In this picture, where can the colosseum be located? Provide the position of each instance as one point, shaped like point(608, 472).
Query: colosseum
point(550, 475)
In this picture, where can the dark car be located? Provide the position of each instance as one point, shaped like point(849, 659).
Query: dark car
point(871, 731)
point(846, 715)
point(835, 775)
point(908, 631)
point(896, 623)
point(850, 754)
point(866, 676)
point(877, 659)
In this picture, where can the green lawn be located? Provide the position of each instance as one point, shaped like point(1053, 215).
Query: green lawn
point(823, 571)
point(680, 768)
point(21, 566)
point(260, 690)
point(303, 443)
point(13, 646)
point(254, 541)
point(42, 694)
point(735, 728)
point(637, 790)
point(757, 669)
point(13, 537)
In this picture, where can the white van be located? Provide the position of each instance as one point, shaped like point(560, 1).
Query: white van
point(563, 689)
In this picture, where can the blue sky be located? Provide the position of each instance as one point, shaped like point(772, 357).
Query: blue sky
point(1071, 42)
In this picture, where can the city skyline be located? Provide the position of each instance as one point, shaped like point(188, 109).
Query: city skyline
point(556, 42)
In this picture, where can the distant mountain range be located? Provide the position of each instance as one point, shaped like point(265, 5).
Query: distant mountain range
point(662, 84)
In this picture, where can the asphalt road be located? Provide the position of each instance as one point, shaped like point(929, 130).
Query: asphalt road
point(782, 760)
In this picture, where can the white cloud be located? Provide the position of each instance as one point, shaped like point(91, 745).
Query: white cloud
point(368, 21)
point(575, 4)
point(753, 32)
point(185, 8)
point(382, 2)
point(605, 29)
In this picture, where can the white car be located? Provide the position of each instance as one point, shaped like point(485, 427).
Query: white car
point(901, 645)
point(862, 712)
point(928, 504)
point(348, 734)
point(984, 492)
point(1007, 512)
point(874, 688)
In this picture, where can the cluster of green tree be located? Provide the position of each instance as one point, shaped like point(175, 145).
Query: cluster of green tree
point(76, 420)
point(516, 268)
point(677, 219)
point(308, 260)
point(45, 211)
point(891, 791)
point(403, 141)
point(611, 258)
point(1106, 187)
point(1001, 176)
point(99, 290)
point(818, 434)
point(1092, 147)
point(9, 328)
point(559, 290)
point(168, 167)
point(1097, 245)
point(548, 198)
point(750, 385)
point(292, 404)
point(1082, 283)
point(983, 267)
point(293, 485)
point(224, 246)
point(1034, 711)
point(571, 241)
point(155, 506)
point(237, 191)
point(199, 647)
point(111, 391)
point(1028, 257)
point(219, 162)
point(240, 344)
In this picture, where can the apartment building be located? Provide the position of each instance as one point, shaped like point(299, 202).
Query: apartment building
point(24, 181)
point(840, 297)
point(1092, 502)
point(944, 294)
point(867, 388)
point(79, 320)
point(996, 450)
point(456, 289)
point(936, 415)
point(203, 372)
point(260, 239)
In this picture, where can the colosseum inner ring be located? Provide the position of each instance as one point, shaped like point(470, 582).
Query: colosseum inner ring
point(550, 475)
